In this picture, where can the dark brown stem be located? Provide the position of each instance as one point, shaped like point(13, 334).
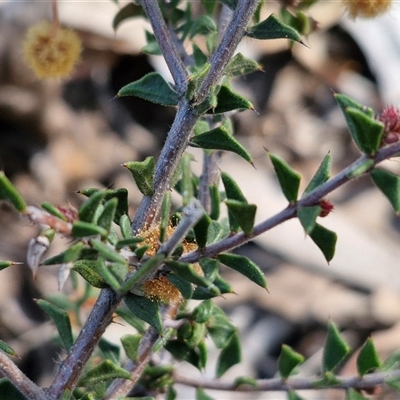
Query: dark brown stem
point(70, 370)
point(10, 371)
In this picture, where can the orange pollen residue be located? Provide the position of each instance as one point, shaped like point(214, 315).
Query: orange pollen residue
point(163, 290)
point(160, 288)
point(366, 8)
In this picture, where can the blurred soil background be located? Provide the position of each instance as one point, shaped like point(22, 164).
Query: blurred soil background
point(60, 136)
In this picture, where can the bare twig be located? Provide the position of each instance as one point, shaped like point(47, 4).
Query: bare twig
point(310, 199)
point(369, 381)
point(10, 371)
point(167, 46)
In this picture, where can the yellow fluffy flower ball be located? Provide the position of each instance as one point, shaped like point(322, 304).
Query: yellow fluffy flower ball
point(51, 52)
point(366, 8)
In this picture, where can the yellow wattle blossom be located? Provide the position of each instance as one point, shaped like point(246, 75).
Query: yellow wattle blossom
point(51, 52)
point(160, 288)
point(366, 8)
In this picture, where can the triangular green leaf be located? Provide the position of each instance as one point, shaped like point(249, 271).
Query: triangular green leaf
point(321, 176)
point(307, 216)
point(272, 28)
point(244, 214)
point(220, 328)
point(229, 356)
point(131, 319)
point(366, 132)
point(245, 266)
point(143, 174)
point(182, 351)
point(103, 372)
point(185, 287)
point(82, 229)
point(202, 26)
point(108, 215)
point(202, 293)
point(346, 102)
point(389, 184)
point(292, 395)
point(220, 139)
point(335, 349)
point(61, 320)
point(130, 10)
point(241, 65)
point(288, 361)
point(228, 100)
point(89, 209)
point(131, 345)
point(152, 87)
point(367, 359)
point(289, 179)
point(145, 309)
point(325, 240)
point(203, 312)
point(201, 230)
point(9, 193)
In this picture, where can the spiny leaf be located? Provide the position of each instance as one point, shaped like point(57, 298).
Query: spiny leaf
point(292, 395)
point(367, 359)
point(240, 65)
point(130, 10)
point(88, 209)
point(110, 351)
point(152, 87)
point(272, 28)
point(107, 251)
point(245, 266)
point(108, 215)
point(143, 174)
point(244, 214)
point(200, 393)
point(131, 345)
point(220, 328)
point(307, 216)
point(321, 176)
point(389, 184)
point(335, 348)
point(201, 293)
point(228, 100)
point(229, 356)
point(201, 230)
point(10, 193)
point(325, 240)
point(366, 132)
point(202, 312)
point(6, 264)
point(199, 57)
point(51, 209)
point(145, 309)
point(202, 26)
point(105, 371)
point(180, 350)
point(289, 180)
point(82, 229)
point(220, 139)
point(288, 361)
point(61, 320)
point(347, 102)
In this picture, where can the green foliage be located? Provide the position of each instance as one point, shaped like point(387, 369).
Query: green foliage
point(105, 252)
point(152, 87)
point(61, 320)
point(335, 349)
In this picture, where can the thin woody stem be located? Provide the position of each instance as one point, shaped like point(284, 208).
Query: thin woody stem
point(10, 371)
point(289, 212)
point(369, 381)
point(167, 45)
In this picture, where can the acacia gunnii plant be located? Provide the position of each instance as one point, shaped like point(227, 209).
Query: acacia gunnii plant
point(148, 266)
